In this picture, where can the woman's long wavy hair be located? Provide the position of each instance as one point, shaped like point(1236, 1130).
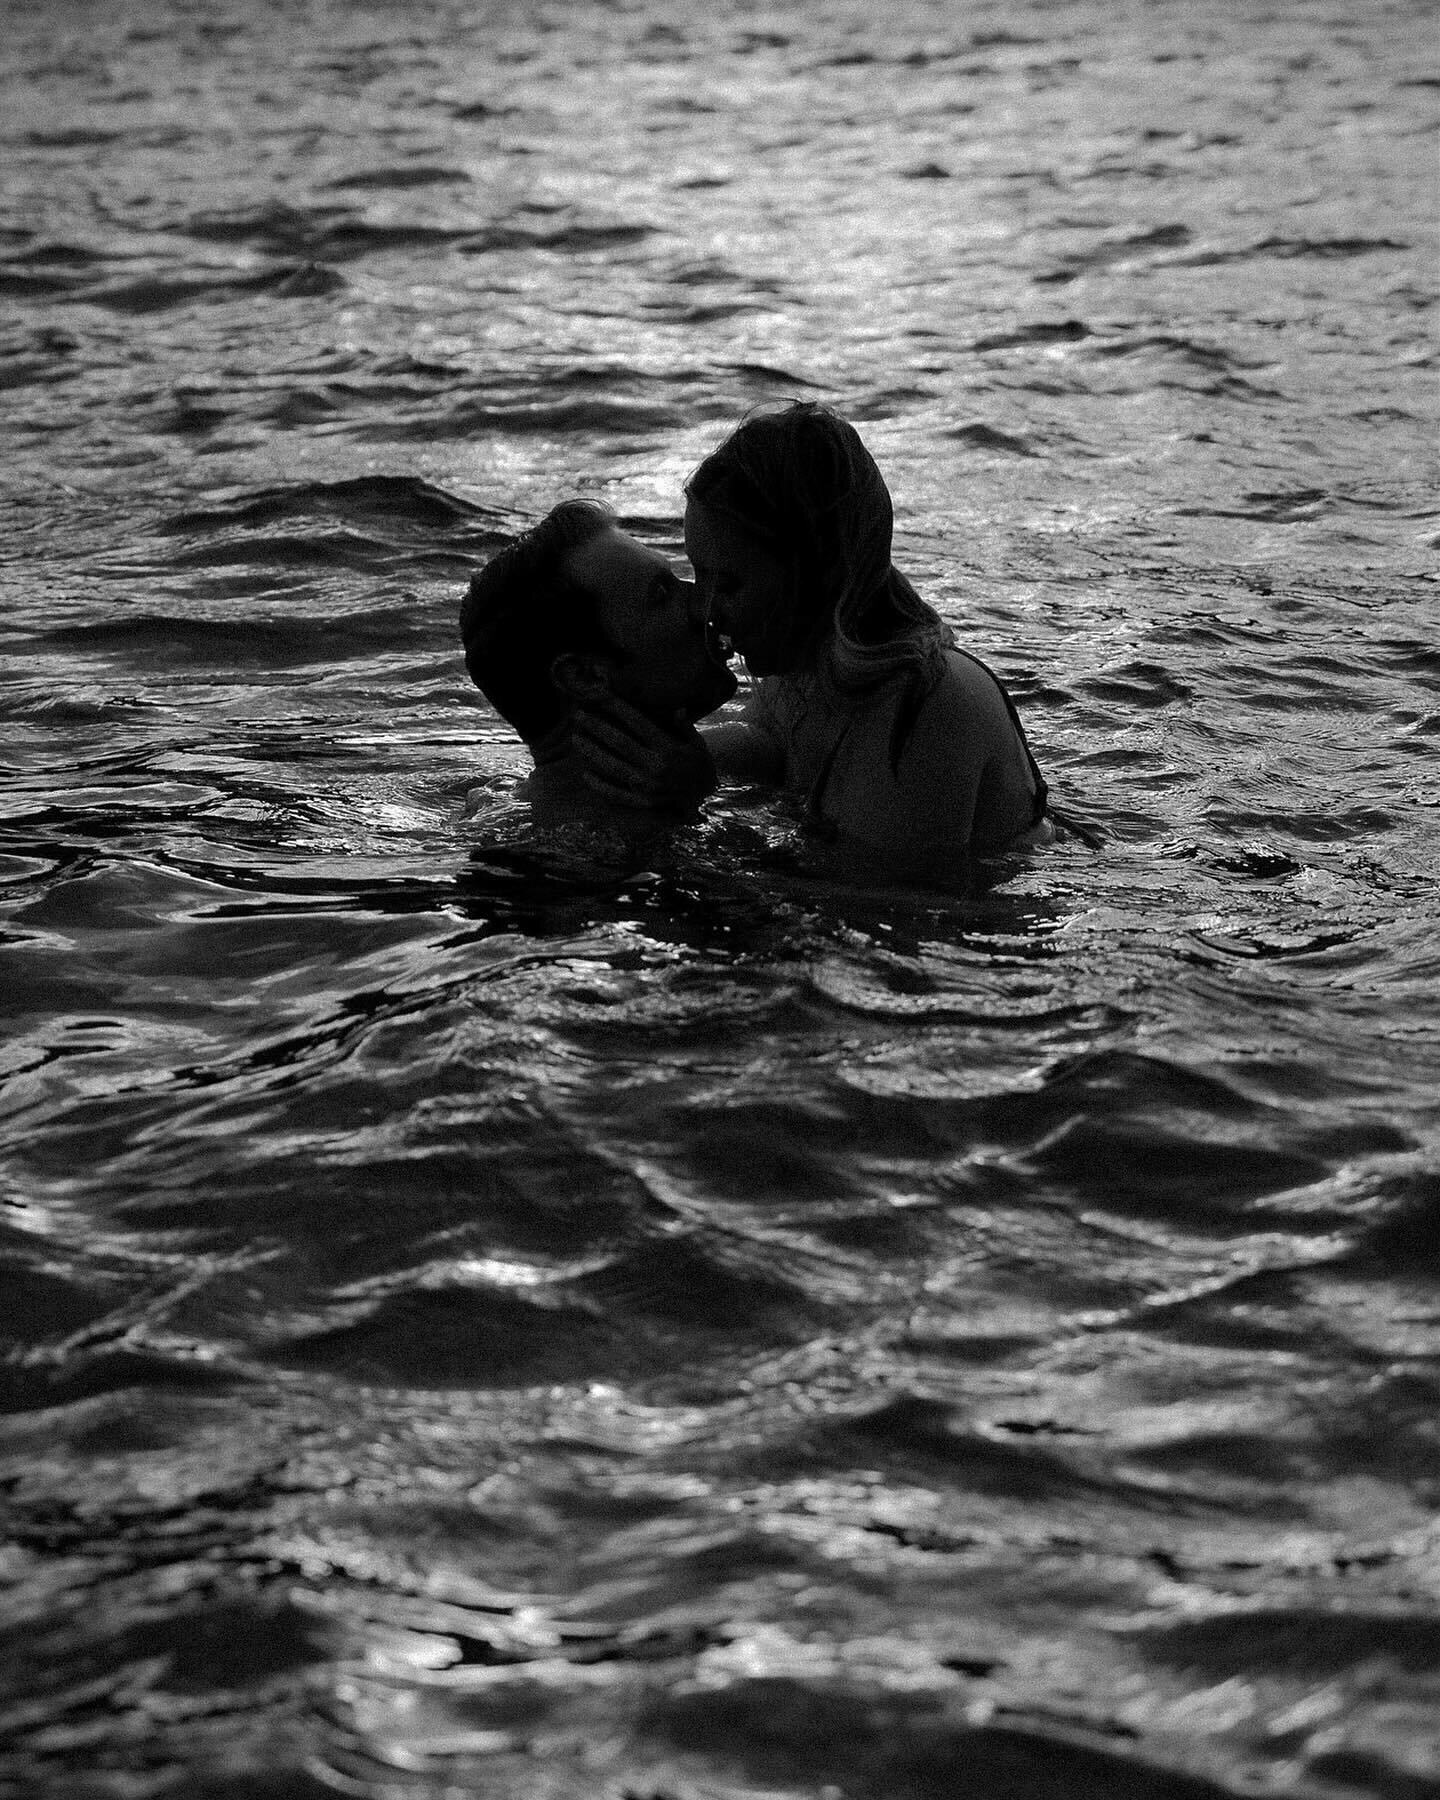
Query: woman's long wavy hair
point(800, 481)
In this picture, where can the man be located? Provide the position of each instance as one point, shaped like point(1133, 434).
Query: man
point(576, 618)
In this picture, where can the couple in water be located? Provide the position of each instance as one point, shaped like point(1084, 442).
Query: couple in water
point(904, 750)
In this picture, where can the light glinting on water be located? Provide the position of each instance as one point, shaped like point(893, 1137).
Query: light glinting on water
point(493, 1309)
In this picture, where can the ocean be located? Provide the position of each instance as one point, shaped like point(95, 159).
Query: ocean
point(484, 1316)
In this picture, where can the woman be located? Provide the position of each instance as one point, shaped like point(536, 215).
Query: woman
point(902, 747)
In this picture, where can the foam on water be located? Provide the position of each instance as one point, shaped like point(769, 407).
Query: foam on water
point(496, 1315)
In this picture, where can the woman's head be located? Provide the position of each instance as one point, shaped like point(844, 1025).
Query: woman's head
point(788, 527)
point(786, 522)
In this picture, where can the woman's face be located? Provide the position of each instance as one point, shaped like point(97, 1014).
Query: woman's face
point(746, 590)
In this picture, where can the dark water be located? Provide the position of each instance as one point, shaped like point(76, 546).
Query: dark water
point(479, 1323)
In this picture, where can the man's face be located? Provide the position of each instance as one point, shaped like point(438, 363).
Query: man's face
point(654, 621)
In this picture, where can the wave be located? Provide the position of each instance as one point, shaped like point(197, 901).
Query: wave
point(1325, 249)
point(1135, 246)
point(648, 1309)
point(472, 110)
point(72, 137)
point(987, 437)
point(588, 416)
point(1205, 356)
point(580, 236)
point(316, 234)
point(789, 1730)
point(930, 1440)
point(768, 376)
point(692, 1289)
point(1061, 331)
point(43, 1379)
point(406, 498)
point(465, 1336)
point(1147, 1169)
point(1282, 507)
point(342, 549)
point(1277, 509)
point(22, 284)
point(339, 234)
point(159, 293)
point(401, 176)
point(1115, 251)
point(249, 641)
point(1404, 1238)
point(1304, 1641)
point(1136, 683)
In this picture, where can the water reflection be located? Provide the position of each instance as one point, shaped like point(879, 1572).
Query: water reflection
point(491, 1313)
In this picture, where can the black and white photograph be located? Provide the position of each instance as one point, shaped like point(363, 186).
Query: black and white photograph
point(719, 900)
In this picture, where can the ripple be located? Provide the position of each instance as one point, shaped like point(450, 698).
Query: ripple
point(651, 1317)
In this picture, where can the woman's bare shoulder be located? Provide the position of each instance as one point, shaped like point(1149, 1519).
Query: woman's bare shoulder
point(967, 677)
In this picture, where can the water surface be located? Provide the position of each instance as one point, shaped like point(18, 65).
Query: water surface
point(489, 1320)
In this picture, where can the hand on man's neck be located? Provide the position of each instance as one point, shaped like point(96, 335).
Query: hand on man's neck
point(618, 765)
point(559, 793)
point(556, 787)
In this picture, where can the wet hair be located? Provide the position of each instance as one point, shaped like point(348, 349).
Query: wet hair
point(523, 610)
point(802, 484)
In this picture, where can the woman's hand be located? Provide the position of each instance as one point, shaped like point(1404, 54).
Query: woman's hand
point(633, 761)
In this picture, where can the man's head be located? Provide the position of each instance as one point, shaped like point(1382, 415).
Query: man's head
point(575, 609)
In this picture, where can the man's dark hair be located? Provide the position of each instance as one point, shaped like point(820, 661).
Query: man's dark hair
point(523, 610)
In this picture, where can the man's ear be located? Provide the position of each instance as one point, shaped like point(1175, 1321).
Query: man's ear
point(580, 675)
